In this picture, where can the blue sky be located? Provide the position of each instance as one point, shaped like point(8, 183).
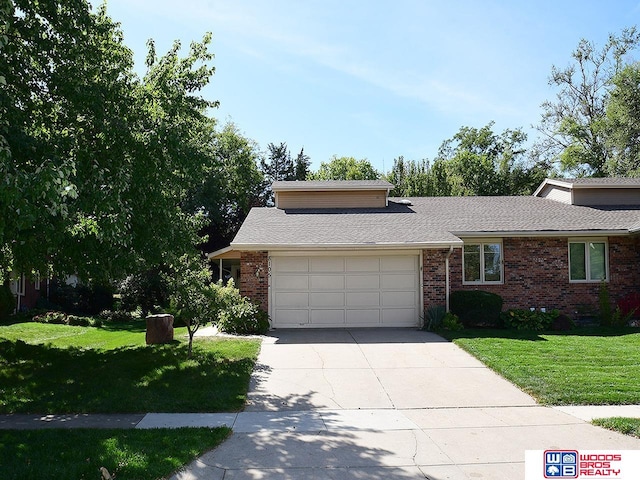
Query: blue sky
point(375, 79)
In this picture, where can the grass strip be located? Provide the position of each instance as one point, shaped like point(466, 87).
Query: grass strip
point(79, 454)
point(627, 426)
point(597, 366)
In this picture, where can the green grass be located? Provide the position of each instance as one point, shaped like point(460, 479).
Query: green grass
point(62, 369)
point(582, 367)
point(627, 426)
point(78, 454)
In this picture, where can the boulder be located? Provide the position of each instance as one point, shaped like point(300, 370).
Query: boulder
point(159, 329)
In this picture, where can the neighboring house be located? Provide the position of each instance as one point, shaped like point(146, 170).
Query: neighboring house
point(336, 253)
point(27, 291)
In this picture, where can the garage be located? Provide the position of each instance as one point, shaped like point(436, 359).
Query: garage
point(348, 290)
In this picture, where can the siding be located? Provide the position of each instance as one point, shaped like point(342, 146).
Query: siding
point(332, 199)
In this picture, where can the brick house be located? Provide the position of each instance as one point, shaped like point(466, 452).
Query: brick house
point(336, 254)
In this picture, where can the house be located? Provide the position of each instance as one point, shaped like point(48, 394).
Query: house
point(338, 254)
point(27, 290)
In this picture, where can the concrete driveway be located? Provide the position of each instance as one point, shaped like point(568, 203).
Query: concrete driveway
point(386, 404)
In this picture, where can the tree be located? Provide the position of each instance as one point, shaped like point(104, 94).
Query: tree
point(301, 166)
point(623, 124)
point(98, 162)
point(345, 168)
point(193, 297)
point(411, 178)
point(231, 185)
point(479, 162)
point(572, 127)
point(280, 166)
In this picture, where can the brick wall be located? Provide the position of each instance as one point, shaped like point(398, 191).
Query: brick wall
point(434, 277)
point(256, 287)
point(536, 274)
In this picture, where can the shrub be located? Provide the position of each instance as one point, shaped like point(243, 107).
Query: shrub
point(148, 290)
point(630, 304)
point(476, 308)
point(7, 302)
point(451, 322)
point(81, 299)
point(536, 320)
point(243, 318)
point(433, 317)
point(116, 316)
point(62, 318)
point(562, 323)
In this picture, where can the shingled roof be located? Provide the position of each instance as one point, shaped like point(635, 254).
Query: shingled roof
point(428, 222)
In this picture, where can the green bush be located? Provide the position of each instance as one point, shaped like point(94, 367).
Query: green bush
point(81, 299)
point(451, 322)
point(116, 316)
point(535, 320)
point(149, 290)
point(476, 308)
point(237, 314)
point(433, 317)
point(62, 318)
point(7, 302)
point(244, 319)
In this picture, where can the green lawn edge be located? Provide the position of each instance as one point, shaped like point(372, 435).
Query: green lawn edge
point(80, 453)
point(585, 366)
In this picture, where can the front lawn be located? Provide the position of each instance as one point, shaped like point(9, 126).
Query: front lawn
point(54, 454)
point(582, 367)
point(628, 426)
point(63, 369)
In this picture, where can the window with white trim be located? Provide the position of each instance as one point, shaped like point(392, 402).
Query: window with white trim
point(482, 262)
point(588, 260)
point(36, 280)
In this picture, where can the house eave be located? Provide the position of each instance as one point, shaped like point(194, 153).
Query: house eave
point(543, 233)
point(346, 246)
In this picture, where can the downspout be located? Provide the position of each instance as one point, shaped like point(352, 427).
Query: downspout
point(221, 277)
point(447, 286)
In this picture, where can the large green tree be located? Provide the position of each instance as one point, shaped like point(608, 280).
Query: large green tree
point(97, 163)
point(573, 128)
point(345, 168)
point(231, 185)
point(481, 162)
point(411, 178)
point(623, 124)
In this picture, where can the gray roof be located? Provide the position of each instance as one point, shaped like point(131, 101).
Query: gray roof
point(600, 182)
point(429, 221)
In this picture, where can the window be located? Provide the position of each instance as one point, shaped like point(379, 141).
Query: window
point(588, 260)
point(36, 280)
point(482, 262)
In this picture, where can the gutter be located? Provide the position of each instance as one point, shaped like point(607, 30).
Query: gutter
point(446, 278)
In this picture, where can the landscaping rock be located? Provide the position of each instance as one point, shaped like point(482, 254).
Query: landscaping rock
point(159, 329)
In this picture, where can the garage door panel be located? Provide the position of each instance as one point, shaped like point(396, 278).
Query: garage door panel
point(327, 282)
point(401, 281)
point(291, 282)
point(288, 317)
point(363, 264)
point(327, 317)
point(292, 299)
point(398, 263)
point(292, 264)
point(327, 264)
point(326, 299)
point(399, 317)
point(363, 299)
point(363, 317)
point(363, 282)
point(398, 299)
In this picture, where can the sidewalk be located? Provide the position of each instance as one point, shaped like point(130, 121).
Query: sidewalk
point(301, 421)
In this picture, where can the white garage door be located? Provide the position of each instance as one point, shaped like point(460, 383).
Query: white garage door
point(345, 291)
